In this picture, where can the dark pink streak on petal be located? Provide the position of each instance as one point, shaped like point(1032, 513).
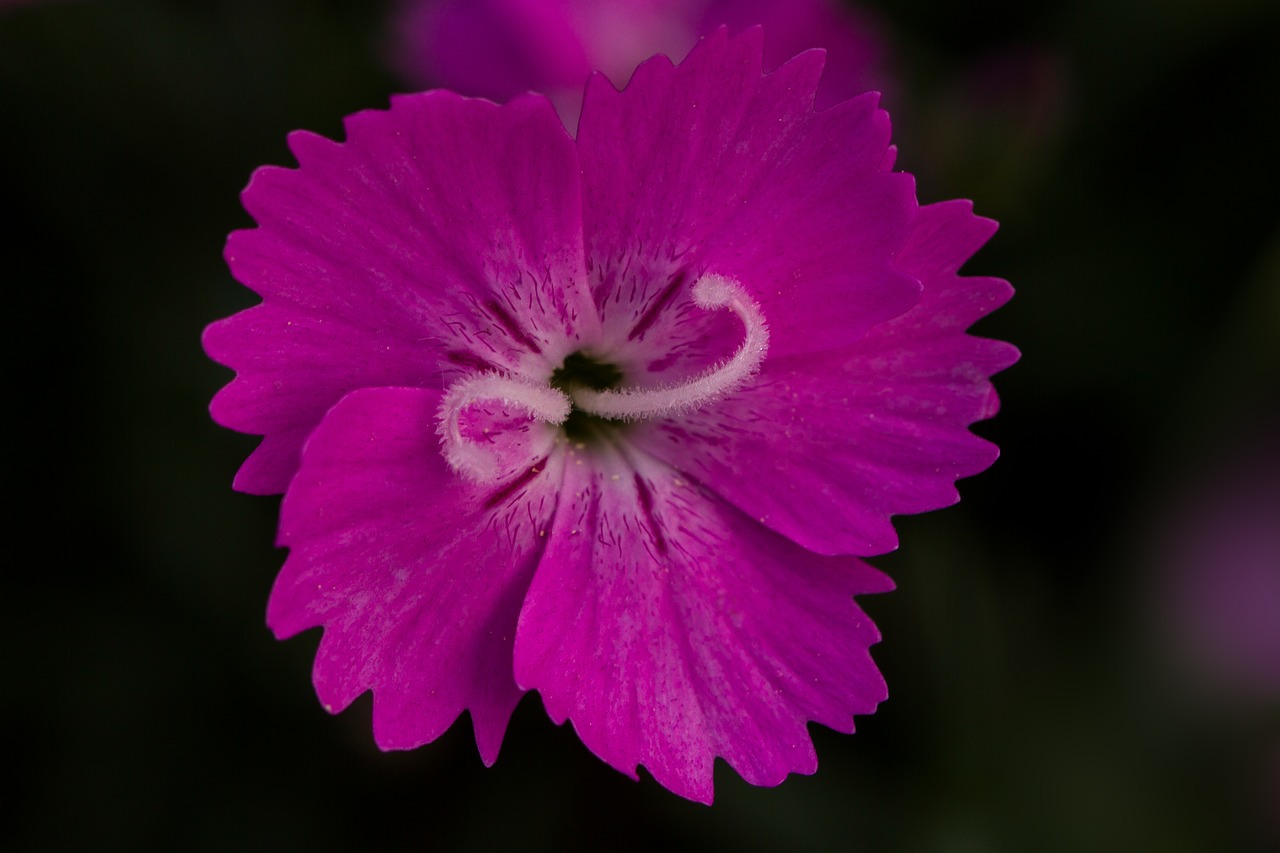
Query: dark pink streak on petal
point(505, 492)
point(511, 326)
point(416, 576)
point(644, 499)
point(654, 311)
point(470, 361)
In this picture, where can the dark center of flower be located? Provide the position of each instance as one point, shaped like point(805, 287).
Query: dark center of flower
point(578, 371)
point(584, 371)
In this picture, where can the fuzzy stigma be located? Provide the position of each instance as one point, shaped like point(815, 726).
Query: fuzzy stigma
point(709, 293)
point(474, 461)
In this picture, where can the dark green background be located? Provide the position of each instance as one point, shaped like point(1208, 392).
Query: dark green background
point(1130, 150)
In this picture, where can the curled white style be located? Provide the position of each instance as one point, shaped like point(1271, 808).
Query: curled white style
point(480, 464)
point(471, 460)
point(710, 292)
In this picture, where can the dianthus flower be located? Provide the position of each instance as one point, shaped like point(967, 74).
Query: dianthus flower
point(609, 419)
point(501, 48)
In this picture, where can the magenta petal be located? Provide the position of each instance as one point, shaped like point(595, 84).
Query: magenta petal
point(824, 449)
point(671, 630)
point(416, 575)
point(444, 235)
point(713, 167)
point(946, 234)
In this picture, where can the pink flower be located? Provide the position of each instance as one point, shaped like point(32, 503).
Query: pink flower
point(501, 48)
point(610, 418)
point(1218, 578)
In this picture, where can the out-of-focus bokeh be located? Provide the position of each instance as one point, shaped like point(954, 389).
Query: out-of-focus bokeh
point(1082, 655)
point(500, 48)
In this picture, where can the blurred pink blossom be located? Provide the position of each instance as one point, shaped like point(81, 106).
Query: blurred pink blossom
point(500, 48)
point(1221, 577)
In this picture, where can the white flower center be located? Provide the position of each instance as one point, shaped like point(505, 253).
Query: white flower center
point(553, 406)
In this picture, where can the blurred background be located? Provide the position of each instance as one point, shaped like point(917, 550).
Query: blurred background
point(1084, 654)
